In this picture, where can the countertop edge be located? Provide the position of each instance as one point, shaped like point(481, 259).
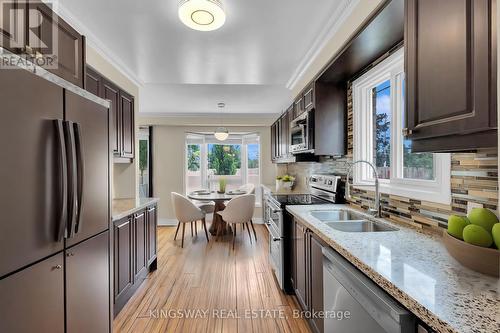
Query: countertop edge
point(125, 213)
point(411, 304)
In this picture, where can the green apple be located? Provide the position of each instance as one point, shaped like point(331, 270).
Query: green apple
point(483, 217)
point(456, 225)
point(476, 235)
point(496, 234)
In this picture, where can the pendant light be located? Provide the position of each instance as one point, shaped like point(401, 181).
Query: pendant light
point(221, 133)
point(202, 15)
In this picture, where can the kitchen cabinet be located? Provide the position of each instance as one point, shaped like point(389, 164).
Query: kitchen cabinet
point(123, 261)
point(122, 114)
point(274, 142)
point(139, 245)
point(135, 246)
point(280, 138)
point(315, 276)
point(54, 44)
point(86, 295)
point(460, 62)
point(309, 97)
point(67, 45)
point(307, 274)
point(298, 106)
point(330, 109)
point(151, 220)
point(33, 299)
point(300, 264)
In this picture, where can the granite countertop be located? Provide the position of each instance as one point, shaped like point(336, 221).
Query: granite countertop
point(415, 269)
point(295, 190)
point(125, 207)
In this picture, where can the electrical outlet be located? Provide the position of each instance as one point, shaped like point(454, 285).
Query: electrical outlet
point(471, 205)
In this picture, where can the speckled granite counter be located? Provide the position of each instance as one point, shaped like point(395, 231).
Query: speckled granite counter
point(126, 207)
point(297, 190)
point(416, 270)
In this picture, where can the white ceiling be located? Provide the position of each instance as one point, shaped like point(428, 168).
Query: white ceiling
point(247, 63)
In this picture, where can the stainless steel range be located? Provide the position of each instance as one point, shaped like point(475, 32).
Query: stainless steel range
point(323, 189)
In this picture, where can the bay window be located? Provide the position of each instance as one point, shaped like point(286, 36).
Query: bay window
point(236, 160)
point(378, 122)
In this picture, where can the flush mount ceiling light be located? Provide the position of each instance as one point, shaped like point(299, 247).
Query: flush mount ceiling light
point(202, 15)
point(221, 133)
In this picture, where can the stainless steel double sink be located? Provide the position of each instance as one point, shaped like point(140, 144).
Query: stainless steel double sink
point(349, 221)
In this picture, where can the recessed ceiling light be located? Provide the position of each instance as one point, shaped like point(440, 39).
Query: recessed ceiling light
point(203, 15)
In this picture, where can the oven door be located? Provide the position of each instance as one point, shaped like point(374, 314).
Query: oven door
point(276, 254)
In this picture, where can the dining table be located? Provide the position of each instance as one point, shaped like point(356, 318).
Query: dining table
point(219, 199)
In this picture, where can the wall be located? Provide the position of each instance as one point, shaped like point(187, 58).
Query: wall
point(124, 175)
point(474, 181)
point(169, 168)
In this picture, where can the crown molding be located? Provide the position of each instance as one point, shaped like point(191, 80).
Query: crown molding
point(330, 29)
point(95, 43)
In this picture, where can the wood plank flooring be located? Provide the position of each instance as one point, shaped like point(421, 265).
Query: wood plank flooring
point(225, 290)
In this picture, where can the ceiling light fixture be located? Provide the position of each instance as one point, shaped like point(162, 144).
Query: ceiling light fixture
point(202, 15)
point(221, 133)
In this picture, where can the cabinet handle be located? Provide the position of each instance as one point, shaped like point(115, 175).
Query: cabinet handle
point(407, 132)
point(70, 254)
point(57, 267)
point(139, 215)
point(151, 209)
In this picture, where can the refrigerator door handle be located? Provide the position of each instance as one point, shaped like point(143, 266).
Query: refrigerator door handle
point(73, 178)
point(61, 142)
point(80, 166)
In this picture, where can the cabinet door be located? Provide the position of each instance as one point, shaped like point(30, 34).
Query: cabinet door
point(32, 300)
point(13, 25)
point(450, 73)
point(87, 286)
point(56, 37)
point(151, 230)
point(112, 93)
point(123, 267)
point(273, 142)
point(284, 135)
point(92, 120)
point(300, 265)
point(309, 97)
point(139, 245)
point(128, 126)
point(93, 82)
point(316, 279)
point(298, 106)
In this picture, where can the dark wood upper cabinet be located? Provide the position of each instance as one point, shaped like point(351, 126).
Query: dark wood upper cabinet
point(122, 114)
point(451, 74)
point(128, 124)
point(48, 35)
point(273, 142)
point(330, 135)
point(12, 27)
point(309, 97)
point(298, 106)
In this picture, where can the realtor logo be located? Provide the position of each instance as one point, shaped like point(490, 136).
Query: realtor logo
point(28, 34)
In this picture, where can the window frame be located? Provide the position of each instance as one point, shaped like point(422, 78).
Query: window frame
point(203, 140)
point(437, 190)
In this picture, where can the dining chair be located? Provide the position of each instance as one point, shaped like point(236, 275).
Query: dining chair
point(239, 210)
point(186, 212)
point(249, 188)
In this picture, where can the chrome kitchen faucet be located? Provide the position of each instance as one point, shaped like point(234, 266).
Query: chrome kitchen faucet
point(377, 212)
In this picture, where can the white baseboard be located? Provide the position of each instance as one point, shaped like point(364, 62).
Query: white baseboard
point(167, 222)
point(258, 220)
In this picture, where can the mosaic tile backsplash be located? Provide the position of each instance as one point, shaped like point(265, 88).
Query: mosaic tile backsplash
point(474, 181)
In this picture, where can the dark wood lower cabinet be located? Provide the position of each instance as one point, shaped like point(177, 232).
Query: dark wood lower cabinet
point(34, 307)
point(308, 272)
point(135, 241)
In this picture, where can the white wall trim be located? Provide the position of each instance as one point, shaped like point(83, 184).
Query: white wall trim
point(167, 222)
point(95, 43)
point(330, 29)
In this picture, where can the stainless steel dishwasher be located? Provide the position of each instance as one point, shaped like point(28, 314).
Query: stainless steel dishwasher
point(355, 304)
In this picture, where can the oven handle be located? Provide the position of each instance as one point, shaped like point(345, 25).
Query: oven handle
point(274, 239)
point(273, 206)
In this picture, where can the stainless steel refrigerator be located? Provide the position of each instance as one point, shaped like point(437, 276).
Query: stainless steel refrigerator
point(55, 208)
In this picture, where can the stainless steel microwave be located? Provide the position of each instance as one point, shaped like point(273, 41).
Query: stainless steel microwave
point(299, 134)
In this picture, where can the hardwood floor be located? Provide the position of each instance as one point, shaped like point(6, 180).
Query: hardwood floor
point(226, 290)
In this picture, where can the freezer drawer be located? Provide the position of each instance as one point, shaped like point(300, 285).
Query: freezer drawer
point(87, 286)
point(32, 300)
